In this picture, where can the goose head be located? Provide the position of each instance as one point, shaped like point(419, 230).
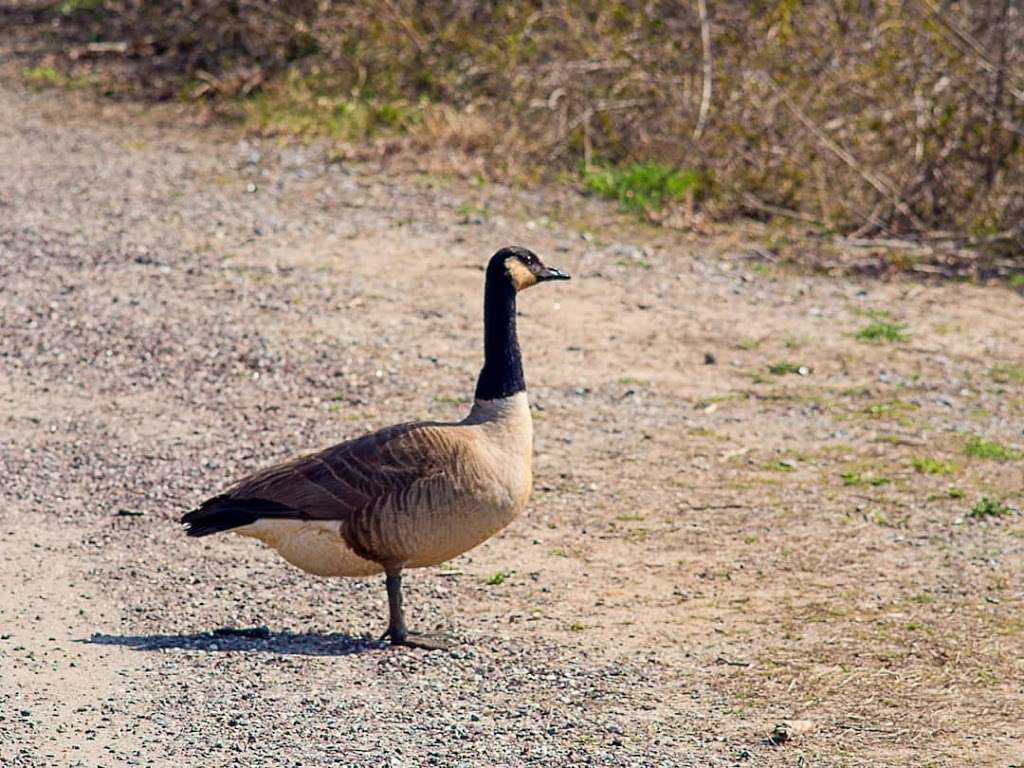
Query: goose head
point(521, 268)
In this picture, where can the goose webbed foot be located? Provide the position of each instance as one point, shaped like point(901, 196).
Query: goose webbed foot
point(414, 640)
point(396, 632)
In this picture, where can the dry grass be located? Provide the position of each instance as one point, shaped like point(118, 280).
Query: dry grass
point(868, 120)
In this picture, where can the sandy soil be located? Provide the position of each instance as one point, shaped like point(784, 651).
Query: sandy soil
point(712, 549)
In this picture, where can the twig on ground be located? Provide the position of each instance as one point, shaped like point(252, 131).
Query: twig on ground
point(715, 506)
point(732, 662)
point(757, 204)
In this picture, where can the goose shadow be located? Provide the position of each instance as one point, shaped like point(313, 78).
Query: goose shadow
point(252, 639)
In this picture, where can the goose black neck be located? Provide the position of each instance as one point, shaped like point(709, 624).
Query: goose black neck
point(502, 374)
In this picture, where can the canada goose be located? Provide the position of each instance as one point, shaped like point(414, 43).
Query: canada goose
point(411, 495)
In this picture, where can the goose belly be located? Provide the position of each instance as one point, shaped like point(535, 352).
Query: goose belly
point(447, 533)
point(315, 546)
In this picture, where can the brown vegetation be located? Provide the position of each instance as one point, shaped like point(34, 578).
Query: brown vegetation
point(872, 119)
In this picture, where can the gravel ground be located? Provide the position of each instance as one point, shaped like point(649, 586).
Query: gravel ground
point(706, 554)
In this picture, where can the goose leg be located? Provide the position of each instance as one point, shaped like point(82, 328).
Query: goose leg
point(397, 632)
point(396, 616)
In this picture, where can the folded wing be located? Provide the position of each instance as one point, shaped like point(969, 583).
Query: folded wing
point(363, 484)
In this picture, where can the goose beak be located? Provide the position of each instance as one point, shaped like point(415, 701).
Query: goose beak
point(551, 273)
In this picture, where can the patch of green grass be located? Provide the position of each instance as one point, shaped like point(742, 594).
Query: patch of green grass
point(643, 187)
point(880, 331)
point(472, 211)
point(638, 263)
point(498, 578)
point(451, 399)
point(42, 76)
point(313, 106)
point(878, 517)
point(784, 367)
point(50, 77)
point(979, 448)
point(630, 381)
point(69, 7)
point(955, 493)
point(856, 478)
point(987, 507)
point(1017, 280)
point(926, 465)
point(890, 409)
point(1009, 373)
point(748, 344)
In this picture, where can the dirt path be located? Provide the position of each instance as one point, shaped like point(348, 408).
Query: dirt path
point(711, 550)
point(66, 702)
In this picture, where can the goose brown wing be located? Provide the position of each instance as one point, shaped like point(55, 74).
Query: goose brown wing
point(353, 477)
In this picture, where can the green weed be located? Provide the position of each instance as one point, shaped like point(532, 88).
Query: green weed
point(926, 465)
point(50, 77)
point(69, 7)
point(1009, 373)
point(856, 478)
point(643, 187)
point(469, 211)
point(980, 448)
point(784, 367)
point(883, 331)
point(986, 507)
point(313, 106)
point(450, 399)
point(890, 409)
point(498, 578)
point(42, 76)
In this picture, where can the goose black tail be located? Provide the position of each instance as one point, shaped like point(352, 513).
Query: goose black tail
point(222, 513)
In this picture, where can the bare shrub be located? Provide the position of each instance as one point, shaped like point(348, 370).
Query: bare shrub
point(868, 117)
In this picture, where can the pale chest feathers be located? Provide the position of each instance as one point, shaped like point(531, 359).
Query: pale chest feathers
point(504, 446)
point(497, 474)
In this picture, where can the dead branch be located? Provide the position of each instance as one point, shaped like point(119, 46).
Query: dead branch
point(757, 204)
point(705, 96)
point(959, 38)
point(881, 184)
